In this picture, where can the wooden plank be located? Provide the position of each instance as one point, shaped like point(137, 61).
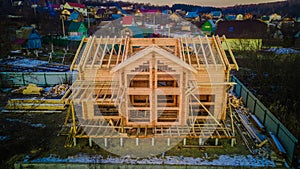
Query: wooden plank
point(87, 57)
point(76, 54)
point(210, 49)
point(222, 54)
point(104, 52)
point(119, 51)
point(111, 53)
point(196, 53)
point(235, 65)
point(204, 54)
point(96, 53)
point(188, 51)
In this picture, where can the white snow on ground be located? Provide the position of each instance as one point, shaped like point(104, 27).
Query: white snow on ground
point(2, 138)
point(223, 160)
point(27, 62)
point(26, 122)
point(38, 125)
point(283, 50)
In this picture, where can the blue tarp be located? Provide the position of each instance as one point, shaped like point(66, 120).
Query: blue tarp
point(34, 41)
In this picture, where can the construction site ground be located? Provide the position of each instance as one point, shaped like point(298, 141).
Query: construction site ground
point(29, 136)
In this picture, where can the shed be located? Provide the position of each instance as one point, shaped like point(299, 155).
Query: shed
point(209, 27)
point(76, 16)
point(28, 38)
point(132, 31)
point(77, 30)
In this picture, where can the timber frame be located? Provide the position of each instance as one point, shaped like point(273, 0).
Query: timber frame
point(151, 88)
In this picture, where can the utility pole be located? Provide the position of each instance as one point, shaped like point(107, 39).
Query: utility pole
point(63, 26)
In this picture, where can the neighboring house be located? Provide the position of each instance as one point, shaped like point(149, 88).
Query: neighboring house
point(216, 14)
point(56, 7)
point(209, 27)
point(116, 16)
point(166, 11)
point(239, 17)
point(103, 14)
point(27, 37)
point(243, 35)
point(265, 18)
point(65, 14)
point(128, 21)
point(76, 16)
point(275, 17)
point(230, 17)
point(175, 17)
point(248, 16)
point(141, 12)
point(132, 31)
point(77, 30)
point(191, 15)
point(79, 7)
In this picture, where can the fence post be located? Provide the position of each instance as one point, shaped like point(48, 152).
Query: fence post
point(66, 81)
point(277, 130)
point(247, 98)
point(254, 106)
point(23, 79)
point(241, 88)
point(45, 78)
point(265, 115)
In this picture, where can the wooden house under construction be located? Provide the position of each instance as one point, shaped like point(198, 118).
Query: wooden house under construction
point(151, 88)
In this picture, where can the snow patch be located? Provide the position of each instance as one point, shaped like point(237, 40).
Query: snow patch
point(38, 125)
point(26, 122)
point(222, 160)
point(283, 50)
point(3, 138)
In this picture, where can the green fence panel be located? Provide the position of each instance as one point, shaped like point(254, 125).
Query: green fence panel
point(244, 95)
point(260, 112)
point(271, 123)
point(17, 79)
point(251, 103)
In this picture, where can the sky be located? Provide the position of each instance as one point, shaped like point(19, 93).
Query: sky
point(214, 3)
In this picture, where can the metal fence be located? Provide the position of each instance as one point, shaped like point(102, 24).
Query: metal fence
point(271, 123)
point(15, 79)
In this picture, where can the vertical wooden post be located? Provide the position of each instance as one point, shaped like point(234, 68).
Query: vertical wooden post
point(232, 142)
point(45, 78)
point(152, 141)
point(184, 141)
point(105, 142)
point(74, 141)
point(23, 79)
point(169, 141)
point(121, 142)
point(200, 142)
point(90, 142)
point(216, 141)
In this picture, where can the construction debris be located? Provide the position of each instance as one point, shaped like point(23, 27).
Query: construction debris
point(32, 89)
point(34, 104)
point(254, 133)
point(57, 90)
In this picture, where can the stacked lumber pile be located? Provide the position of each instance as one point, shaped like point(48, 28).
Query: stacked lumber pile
point(58, 90)
point(34, 105)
